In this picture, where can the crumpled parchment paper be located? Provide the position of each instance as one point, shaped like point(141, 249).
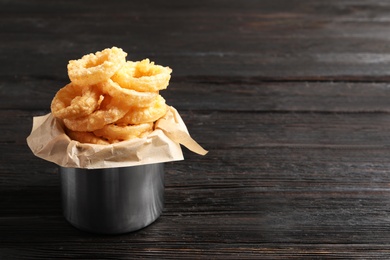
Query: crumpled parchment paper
point(49, 141)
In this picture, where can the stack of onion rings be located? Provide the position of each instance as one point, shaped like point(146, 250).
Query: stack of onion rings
point(110, 99)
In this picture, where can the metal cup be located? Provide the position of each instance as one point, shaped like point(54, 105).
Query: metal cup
point(112, 200)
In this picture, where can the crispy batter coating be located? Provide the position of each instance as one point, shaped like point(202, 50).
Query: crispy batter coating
point(139, 115)
point(143, 76)
point(74, 101)
point(98, 67)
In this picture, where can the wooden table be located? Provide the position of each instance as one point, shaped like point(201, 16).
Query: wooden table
point(291, 98)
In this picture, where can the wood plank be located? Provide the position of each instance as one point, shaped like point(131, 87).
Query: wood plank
point(197, 250)
point(284, 169)
point(228, 130)
point(251, 94)
point(219, 94)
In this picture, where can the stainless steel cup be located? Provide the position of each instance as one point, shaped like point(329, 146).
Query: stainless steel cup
point(113, 200)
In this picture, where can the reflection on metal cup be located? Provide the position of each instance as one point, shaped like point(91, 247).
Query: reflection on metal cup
point(112, 200)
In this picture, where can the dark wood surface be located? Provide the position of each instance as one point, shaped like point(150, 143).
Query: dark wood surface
point(290, 97)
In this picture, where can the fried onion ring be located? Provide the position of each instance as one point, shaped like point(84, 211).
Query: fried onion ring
point(143, 76)
point(94, 68)
point(124, 132)
point(139, 115)
point(107, 114)
point(74, 101)
point(128, 97)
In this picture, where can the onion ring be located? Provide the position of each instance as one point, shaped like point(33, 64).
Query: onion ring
point(86, 137)
point(74, 101)
point(107, 114)
point(143, 76)
point(94, 68)
point(128, 97)
point(123, 132)
point(139, 115)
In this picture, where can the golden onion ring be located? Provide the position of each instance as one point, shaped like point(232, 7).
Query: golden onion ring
point(123, 132)
point(128, 97)
point(94, 68)
point(108, 114)
point(139, 115)
point(74, 101)
point(143, 76)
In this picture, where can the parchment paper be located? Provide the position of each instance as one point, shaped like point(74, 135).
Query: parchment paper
point(49, 141)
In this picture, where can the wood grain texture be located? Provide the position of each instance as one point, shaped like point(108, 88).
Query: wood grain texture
point(289, 97)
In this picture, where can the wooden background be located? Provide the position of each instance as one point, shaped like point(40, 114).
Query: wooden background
point(290, 97)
